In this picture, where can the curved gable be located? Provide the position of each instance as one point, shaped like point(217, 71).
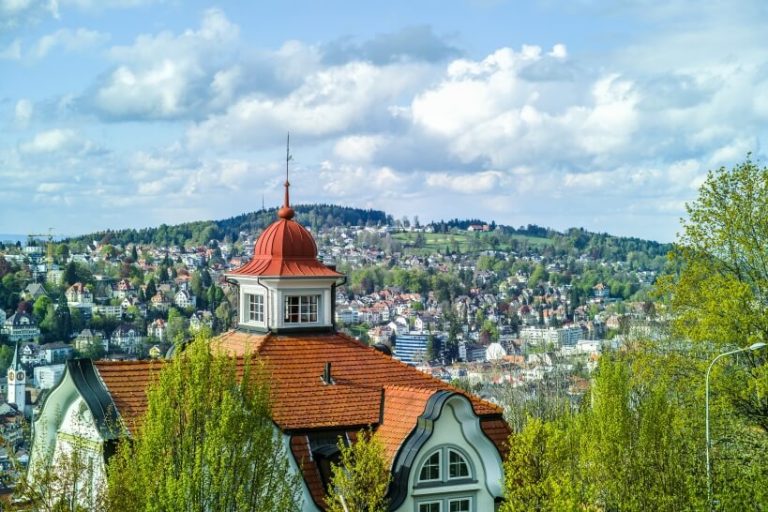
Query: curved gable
point(448, 423)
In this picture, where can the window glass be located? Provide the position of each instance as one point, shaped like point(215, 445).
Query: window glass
point(301, 309)
point(431, 468)
point(255, 308)
point(459, 505)
point(457, 465)
point(432, 506)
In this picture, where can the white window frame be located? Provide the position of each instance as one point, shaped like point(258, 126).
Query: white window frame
point(462, 498)
point(444, 467)
point(464, 460)
point(307, 305)
point(254, 311)
point(439, 453)
point(439, 504)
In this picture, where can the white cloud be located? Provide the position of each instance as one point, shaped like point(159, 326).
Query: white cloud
point(327, 103)
point(476, 183)
point(358, 148)
point(23, 112)
point(167, 76)
point(69, 40)
point(50, 141)
point(60, 140)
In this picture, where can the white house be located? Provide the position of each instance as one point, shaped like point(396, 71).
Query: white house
point(20, 327)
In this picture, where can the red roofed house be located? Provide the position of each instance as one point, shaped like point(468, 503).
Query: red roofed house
point(445, 448)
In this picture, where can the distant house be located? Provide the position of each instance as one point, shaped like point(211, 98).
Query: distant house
point(185, 299)
point(20, 327)
point(127, 337)
point(157, 329)
point(87, 339)
point(159, 302)
point(57, 352)
point(30, 354)
point(123, 289)
point(78, 294)
point(199, 320)
point(34, 291)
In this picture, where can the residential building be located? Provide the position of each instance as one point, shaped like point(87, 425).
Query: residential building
point(127, 338)
point(46, 377)
point(184, 299)
point(444, 447)
point(20, 327)
point(56, 352)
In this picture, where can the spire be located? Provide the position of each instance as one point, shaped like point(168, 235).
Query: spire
point(286, 212)
point(15, 363)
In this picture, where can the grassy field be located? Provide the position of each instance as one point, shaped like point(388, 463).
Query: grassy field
point(463, 241)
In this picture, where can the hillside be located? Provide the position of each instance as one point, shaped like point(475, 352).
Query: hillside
point(444, 236)
point(315, 216)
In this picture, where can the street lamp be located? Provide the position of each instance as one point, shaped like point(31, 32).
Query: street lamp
point(754, 346)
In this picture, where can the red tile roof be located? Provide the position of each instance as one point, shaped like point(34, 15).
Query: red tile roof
point(402, 407)
point(128, 383)
point(303, 401)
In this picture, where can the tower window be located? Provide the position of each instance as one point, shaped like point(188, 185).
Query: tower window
point(255, 308)
point(301, 309)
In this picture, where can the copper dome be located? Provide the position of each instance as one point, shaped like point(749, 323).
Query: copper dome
point(285, 248)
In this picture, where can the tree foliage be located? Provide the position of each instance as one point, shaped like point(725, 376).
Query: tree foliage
point(207, 442)
point(719, 290)
point(359, 482)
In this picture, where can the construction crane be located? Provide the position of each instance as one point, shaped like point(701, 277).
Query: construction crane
point(49, 246)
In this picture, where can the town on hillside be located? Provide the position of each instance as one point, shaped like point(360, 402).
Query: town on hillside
point(508, 314)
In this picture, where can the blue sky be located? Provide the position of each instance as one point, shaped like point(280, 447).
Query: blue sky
point(605, 115)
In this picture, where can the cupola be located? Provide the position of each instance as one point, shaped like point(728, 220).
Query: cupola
point(284, 287)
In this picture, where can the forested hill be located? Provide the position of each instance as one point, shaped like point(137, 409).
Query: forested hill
point(315, 216)
point(546, 241)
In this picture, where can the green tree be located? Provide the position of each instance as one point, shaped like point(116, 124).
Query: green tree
point(207, 442)
point(40, 308)
point(360, 481)
point(719, 288)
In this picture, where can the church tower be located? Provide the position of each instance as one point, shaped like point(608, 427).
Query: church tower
point(17, 382)
point(285, 288)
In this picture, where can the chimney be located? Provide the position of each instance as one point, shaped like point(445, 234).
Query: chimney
point(327, 379)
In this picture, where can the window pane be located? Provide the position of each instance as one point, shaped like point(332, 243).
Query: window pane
point(431, 468)
point(433, 506)
point(460, 505)
point(255, 308)
point(301, 308)
point(457, 466)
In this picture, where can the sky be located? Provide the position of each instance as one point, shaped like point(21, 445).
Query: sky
point(561, 113)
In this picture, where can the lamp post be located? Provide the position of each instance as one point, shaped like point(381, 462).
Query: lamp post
point(754, 346)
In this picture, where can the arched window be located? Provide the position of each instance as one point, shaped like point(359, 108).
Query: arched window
point(430, 470)
point(445, 464)
point(457, 465)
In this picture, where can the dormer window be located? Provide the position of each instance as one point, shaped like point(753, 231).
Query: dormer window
point(457, 465)
point(430, 471)
point(255, 308)
point(301, 309)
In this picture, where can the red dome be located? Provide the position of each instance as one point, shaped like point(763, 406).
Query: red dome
point(285, 248)
point(286, 238)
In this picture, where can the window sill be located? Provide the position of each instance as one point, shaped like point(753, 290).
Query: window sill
point(442, 484)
